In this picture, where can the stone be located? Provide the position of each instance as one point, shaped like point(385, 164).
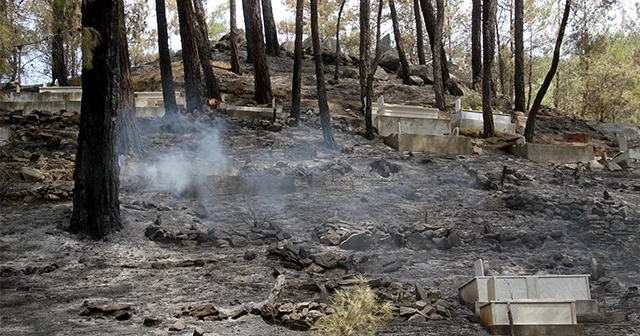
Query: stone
point(313, 268)
point(478, 267)
point(199, 331)
point(442, 310)
point(151, 322)
point(406, 311)
point(357, 242)
point(597, 271)
point(595, 166)
point(249, 255)
point(201, 312)
point(122, 315)
point(417, 318)
point(112, 308)
point(612, 166)
point(177, 326)
point(389, 60)
point(350, 73)
point(415, 80)
point(380, 74)
point(29, 174)
point(421, 293)
point(421, 71)
point(327, 259)
point(454, 238)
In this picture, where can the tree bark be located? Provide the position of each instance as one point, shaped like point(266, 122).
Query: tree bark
point(247, 27)
point(476, 44)
point(235, 59)
point(262, 81)
point(335, 73)
point(419, 33)
point(518, 76)
point(58, 66)
point(166, 74)
point(438, 81)
point(369, 85)
point(212, 90)
point(270, 31)
point(488, 34)
point(365, 65)
point(530, 127)
point(96, 207)
point(190, 58)
point(396, 33)
point(297, 65)
point(501, 61)
point(323, 106)
point(430, 24)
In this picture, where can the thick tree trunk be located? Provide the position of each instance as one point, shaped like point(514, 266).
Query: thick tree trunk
point(369, 85)
point(262, 81)
point(270, 31)
point(212, 90)
point(529, 129)
point(476, 44)
point(323, 105)
point(235, 59)
point(501, 61)
point(58, 66)
point(168, 88)
point(518, 76)
point(247, 27)
point(438, 81)
point(365, 65)
point(430, 24)
point(190, 58)
point(398, 38)
point(335, 73)
point(419, 33)
point(297, 65)
point(96, 207)
point(488, 34)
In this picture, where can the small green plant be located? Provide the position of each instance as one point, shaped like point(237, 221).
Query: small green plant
point(471, 100)
point(355, 313)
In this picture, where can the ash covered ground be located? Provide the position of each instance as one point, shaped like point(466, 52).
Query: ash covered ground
point(213, 214)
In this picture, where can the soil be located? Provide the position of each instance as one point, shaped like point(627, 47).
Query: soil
point(532, 219)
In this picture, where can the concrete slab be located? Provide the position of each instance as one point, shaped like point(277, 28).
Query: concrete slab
point(430, 143)
point(472, 119)
point(59, 89)
point(538, 330)
point(553, 153)
point(5, 135)
point(533, 312)
point(412, 125)
point(250, 112)
point(408, 111)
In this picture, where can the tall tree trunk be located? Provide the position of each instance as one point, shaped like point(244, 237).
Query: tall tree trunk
point(518, 76)
point(262, 81)
point(168, 89)
point(270, 31)
point(529, 129)
point(335, 73)
point(58, 66)
point(369, 82)
point(476, 44)
point(438, 81)
point(530, 80)
point(488, 25)
point(419, 33)
point(501, 61)
point(365, 65)
point(204, 51)
point(96, 207)
point(398, 38)
point(297, 65)
point(430, 24)
point(235, 59)
point(190, 58)
point(323, 105)
point(247, 27)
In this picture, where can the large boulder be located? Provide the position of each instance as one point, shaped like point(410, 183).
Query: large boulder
point(350, 73)
point(380, 74)
point(385, 44)
point(390, 60)
point(423, 71)
point(288, 46)
point(329, 45)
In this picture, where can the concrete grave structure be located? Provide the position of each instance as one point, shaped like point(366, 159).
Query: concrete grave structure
point(457, 145)
point(553, 153)
point(393, 118)
point(254, 112)
point(5, 135)
point(472, 119)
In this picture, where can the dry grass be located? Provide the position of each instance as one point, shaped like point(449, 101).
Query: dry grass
point(356, 313)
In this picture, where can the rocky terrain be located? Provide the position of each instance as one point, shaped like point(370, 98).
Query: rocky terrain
point(219, 214)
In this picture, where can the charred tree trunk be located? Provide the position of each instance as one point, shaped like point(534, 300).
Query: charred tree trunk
point(374, 66)
point(438, 80)
point(323, 105)
point(58, 66)
point(247, 27)
point(528, 131)
point(396, 34)
point(168, 88)
point(476, 44)
point(204, 51)
point(262, 81)
point(365, 65)
point(270, 31)
point(190, 58)
point(419, 33)
point(296, 85)
point(96, 207)
point(430, 24)
point(335, 73)
point(488, 34)
point(501, 61)
point(235, 59)
point(519, 56)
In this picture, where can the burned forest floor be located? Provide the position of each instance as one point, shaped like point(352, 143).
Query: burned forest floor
point(215, 212)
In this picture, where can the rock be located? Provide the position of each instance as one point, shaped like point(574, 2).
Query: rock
point(415, 80)
point(288, 46)
point(607, 195)
point(421, 294)
point(29, 174)
point(389, 60)
point(177, 326)
point(612, 166)
point(597, 271)
point(198, 332)
point(442, 310)
point(385, 44)
point(384, 168)
point(406, 311)
point(249, 255)
point(595, 166)
point(122, 315)
point(454, 238)
point(421, 71)
point(112, 308)
point(313, 268)
point(357, 242)
point(350, 73)
point(203, 311)
point(381, 75)
point(152, 322)
point(417, 318)
point(327, 259)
